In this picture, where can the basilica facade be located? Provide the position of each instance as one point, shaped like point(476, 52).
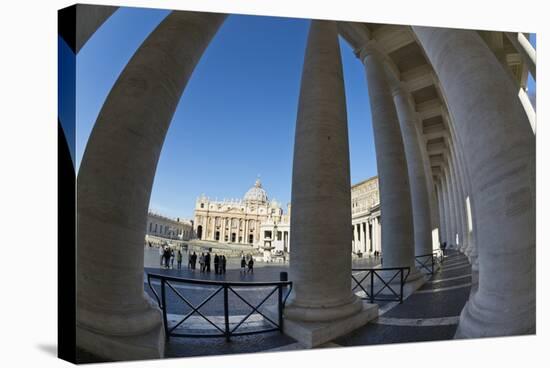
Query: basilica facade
point(262, 223)
point(253, 220)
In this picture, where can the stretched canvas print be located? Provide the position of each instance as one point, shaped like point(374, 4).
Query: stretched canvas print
point(242, 183)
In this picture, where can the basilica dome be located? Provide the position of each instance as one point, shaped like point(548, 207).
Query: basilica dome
point(256, 194)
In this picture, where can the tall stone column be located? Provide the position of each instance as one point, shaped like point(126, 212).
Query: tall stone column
point(441, 207)
point(417, 177)
point(375, 238)
point(456, 203)
point(461, 198)
point(115, 318)
point(355, 238)
point(393, 177)
point(320, 259)
point(447, 204)
point(499, 149)
point(451, 206)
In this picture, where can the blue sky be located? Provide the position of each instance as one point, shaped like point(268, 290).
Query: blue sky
point(236, 118)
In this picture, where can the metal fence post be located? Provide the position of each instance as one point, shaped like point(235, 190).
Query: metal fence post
point(164, 316)
point(372, 286)
point(280, 310)
point(401, 286)
point(226, 311)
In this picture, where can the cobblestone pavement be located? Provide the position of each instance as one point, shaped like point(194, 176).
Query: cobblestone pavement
point(430, 313)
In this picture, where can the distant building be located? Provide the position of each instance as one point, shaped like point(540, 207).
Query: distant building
point(253, 220)
point(169, 228)
point(259, 222)
point(365, 216)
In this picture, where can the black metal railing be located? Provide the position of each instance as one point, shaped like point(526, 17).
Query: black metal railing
point(225, 287)
point(430, 261)
point(379, 280)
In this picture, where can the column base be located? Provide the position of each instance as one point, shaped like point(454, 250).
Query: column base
point(135, 335)
point(149, 345)
point(312, 334)
point(478, 321)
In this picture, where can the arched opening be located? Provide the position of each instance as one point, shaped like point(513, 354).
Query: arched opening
point(199, 232)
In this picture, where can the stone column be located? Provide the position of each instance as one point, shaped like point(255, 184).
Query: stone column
point(456, 202)
point(446, 204)
point(441, 208)
point(461, 198)
point(417, 177)
point(320, 260)
point(451, 229)
point(395, 195)
point(115, 318)
point(354, 240)
point(499, 149)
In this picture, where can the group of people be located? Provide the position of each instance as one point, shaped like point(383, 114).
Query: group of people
point(168, 255)
point(247, 261)
point(220, 263)
point(376, 254)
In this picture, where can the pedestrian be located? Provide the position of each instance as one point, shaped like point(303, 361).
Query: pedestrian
point(172, 257)
point(224, 263)
point(216, 264)
point(243, 265)
point(166, 257)
point(251, 265)
point(161, 254)
point(193, 260)
point(179, 258)
point(201, 262)
point(207, 261)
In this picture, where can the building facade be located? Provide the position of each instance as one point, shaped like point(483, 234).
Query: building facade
point(253, 220)
point(365, 217)
point(168, 228)
point(262, 223)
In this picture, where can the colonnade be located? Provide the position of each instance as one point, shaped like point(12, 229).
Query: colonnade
point(492, 164)
point(366, 235)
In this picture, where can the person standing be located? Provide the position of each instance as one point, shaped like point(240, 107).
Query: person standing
point(172, 257)
point(207, 262)
point(243, 264)
point(216, 264)
point(224, 263)
point(193, 260)
point(161, 254)
point(179, 258)
point(251, 265)
point(201, 262)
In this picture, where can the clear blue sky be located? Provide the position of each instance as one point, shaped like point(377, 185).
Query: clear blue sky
point(236, 117)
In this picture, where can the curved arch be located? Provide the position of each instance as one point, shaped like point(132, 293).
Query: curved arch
point(114, 187)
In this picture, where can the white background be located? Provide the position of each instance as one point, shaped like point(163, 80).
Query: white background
point(28, 180)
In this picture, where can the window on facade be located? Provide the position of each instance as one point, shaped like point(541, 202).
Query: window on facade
point(279, 235)
point(161, 229)
point(155, 228)
point(267, 234)
point(202, 205)
point(150, 226)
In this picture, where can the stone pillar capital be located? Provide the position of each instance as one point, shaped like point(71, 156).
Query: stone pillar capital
point(398, 88)
point(370, 48)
